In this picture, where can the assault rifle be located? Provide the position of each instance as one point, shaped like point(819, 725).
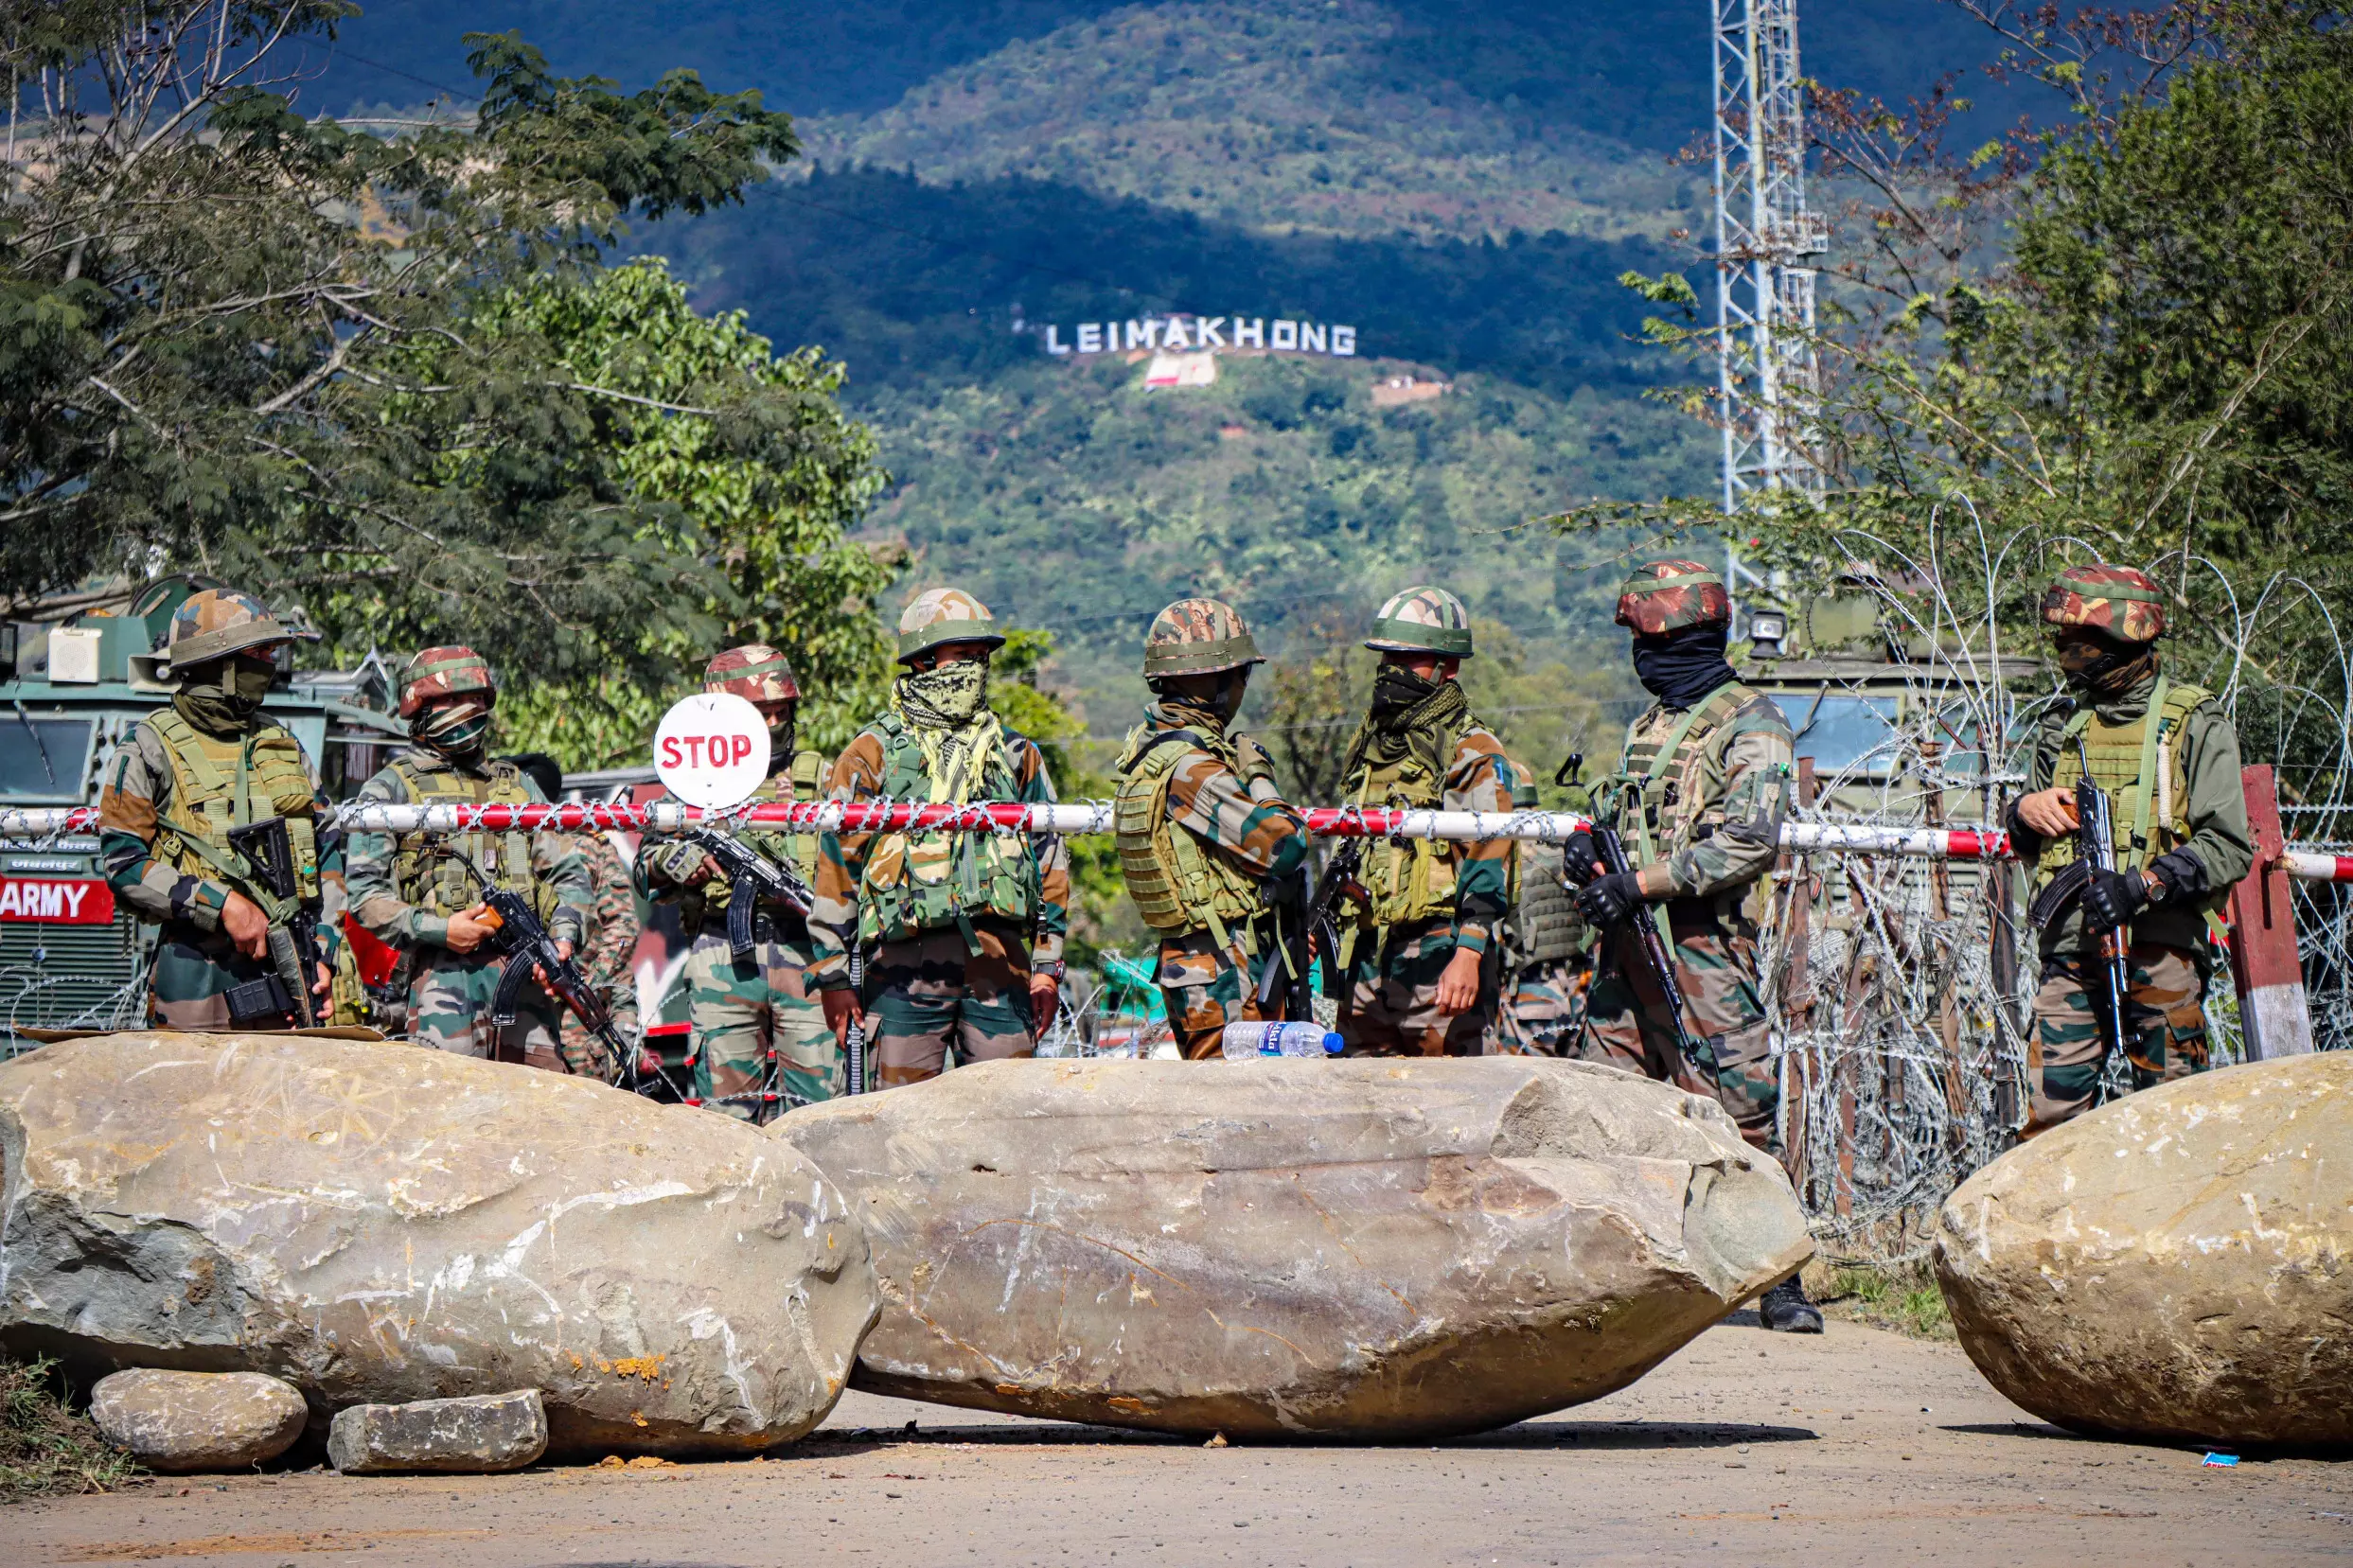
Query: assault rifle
point(1609, 852)
point(293, 927)
point(518, 932)
point(1313, 930)
point(753, 879)
point(2103, 947)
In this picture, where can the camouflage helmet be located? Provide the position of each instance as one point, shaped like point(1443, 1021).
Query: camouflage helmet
point(754, 671)
point(1423, 620)
point(2117, 600)
point(444, 671)
point(1673, 595)
point(1198, 637)
point(940, 615)
point(219, 621)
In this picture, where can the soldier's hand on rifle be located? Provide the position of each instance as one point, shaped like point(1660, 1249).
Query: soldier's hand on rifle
point(709, 871)
point(468, 929)
point(1579, 864)
point(1608, 899)
point(246, 925)
point(563, 955)
point(2049, 812)
point(1045, 1001)
point(842, 1010)
point(325, 981)
point(2110, 898)
point(1458, 983)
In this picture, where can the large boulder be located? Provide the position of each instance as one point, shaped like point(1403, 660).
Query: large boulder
point(1361, 1249)
point(2178, 1265)
point(380, 1224)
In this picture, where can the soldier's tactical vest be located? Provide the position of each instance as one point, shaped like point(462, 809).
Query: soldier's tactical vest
point(218, 783)
point(425, 868)
point(2141, 767)
point(1413, 881)
point(1179, 886)
point(1651, 796)
point(806, 777)
point(918, 883)
point(1545, 926)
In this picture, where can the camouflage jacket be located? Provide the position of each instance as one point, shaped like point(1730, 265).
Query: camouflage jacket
point(137, 792)
point(1246, 817)
point(670, 868)
point(841, 863)
point(376, 899)
point(2216, 809)
point(1713, 812)
point(613, 928)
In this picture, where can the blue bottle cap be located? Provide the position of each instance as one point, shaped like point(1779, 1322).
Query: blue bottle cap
point(1331, 1042)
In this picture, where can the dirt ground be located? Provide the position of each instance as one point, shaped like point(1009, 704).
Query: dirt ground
point(1747, 1448)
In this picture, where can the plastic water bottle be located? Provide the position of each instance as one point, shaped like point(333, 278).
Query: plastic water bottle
point(1243, 1041)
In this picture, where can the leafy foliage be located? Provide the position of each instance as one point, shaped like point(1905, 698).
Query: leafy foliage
point(212, 310)
point(696, 413)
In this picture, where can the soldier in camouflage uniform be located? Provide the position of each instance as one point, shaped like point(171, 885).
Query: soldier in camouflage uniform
point(749, 1015)
point(1699, 799)
point(1547, 961)
point(413, 894)
point(188, 773)
point(1419, 970)
point(612, 941)
point(964, 929)
point(1202, 831)
point(2168, 757)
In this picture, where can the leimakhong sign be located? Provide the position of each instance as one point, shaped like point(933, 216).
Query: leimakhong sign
point(1183, 334)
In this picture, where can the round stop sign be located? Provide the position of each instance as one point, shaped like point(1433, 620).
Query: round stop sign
point(711, 749)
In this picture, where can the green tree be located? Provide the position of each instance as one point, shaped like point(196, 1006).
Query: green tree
point(211, 310)
point(749, 456)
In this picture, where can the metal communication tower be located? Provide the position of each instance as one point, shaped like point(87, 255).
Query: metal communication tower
point(1765, 240)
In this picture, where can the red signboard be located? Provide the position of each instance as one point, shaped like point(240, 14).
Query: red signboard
point(54, 901)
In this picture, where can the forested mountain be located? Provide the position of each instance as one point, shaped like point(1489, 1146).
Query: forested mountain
point(1462, 183)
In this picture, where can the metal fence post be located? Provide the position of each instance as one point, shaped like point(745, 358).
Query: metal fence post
point(2264, 963)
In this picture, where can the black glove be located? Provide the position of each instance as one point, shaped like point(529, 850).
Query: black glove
point(1608, 899)
point(2110, 898)
point(1579, 864)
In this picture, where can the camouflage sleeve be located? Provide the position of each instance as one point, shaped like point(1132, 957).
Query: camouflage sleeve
point(137, 790)
point(670, 866)
point(1744, 802)
point(1036, 786)
point(334, 897)
point(2217, 807)
point(1482, 778)
point(367, 871)
point(558, 860)
point(1248, 821)
point(604, 959)
point(841, 867)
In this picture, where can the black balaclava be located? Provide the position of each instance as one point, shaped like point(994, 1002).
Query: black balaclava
point(1212, 710)
point(2100, 666)
point(1680, 668)
point(1396, 689)
point(459, 730)
point(221, 698)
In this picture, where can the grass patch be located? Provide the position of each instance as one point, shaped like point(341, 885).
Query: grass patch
point(46, 1447)
point(1902, 1296)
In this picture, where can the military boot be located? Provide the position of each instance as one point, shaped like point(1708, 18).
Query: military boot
point(1786, 1310)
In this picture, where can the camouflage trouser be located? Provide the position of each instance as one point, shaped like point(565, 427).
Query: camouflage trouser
point(188, 987)
point(2165, 1031)
point(742, 1013)
point(1627, 1023)
point(450, 1010)
point(1205, 989)
point(932, 993)
point(1543, 1008)
point(1390, 1008)
point(582, 1051)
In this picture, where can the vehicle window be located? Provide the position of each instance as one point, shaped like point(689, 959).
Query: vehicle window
point(1839, 731)
point(42, 758)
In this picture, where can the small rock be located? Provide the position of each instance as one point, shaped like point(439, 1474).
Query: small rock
point(183, 1421)
point(1217, 1441)
point(478, 1434)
